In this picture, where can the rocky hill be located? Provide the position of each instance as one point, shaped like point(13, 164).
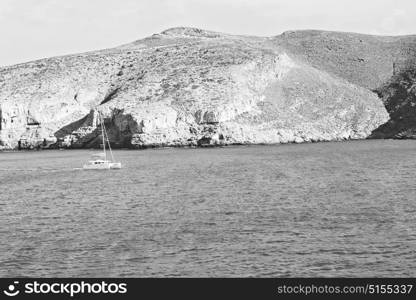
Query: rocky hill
point(383, 64)
point(187, 86)
point(365, 60)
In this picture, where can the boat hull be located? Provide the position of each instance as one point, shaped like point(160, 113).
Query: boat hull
point(115, 165)
point(103, 166)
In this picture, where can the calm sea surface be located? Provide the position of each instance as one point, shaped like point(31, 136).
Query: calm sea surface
point(326, 209)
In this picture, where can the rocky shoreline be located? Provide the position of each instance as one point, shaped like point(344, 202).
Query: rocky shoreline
point(201, 146)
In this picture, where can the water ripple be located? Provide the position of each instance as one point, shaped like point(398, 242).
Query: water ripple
point(328, 209)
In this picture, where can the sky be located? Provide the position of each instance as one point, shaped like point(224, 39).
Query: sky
point(33, 29)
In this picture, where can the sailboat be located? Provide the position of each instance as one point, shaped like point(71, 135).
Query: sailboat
point(100, 161)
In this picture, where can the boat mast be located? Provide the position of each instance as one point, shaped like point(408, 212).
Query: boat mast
point(103, 133)
point(109, 145)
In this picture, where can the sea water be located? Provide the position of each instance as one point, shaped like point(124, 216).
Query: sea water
point(324, 209)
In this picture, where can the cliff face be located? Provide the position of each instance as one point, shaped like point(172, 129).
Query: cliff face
point(188, 87)
point(399, 97)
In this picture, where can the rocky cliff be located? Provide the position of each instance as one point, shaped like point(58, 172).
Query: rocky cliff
point(399, 97)
point(188, 86)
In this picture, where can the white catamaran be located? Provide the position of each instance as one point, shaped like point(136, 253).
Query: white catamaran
point(99, 161)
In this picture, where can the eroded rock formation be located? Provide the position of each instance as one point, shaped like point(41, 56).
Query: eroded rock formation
point(188, 86)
